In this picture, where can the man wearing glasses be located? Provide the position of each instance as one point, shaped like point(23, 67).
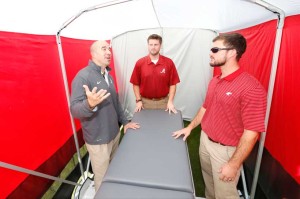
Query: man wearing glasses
point(231, 117)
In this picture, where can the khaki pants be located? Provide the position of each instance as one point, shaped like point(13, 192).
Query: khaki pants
point(100, 156)
point(155, 104)
point(212, 157)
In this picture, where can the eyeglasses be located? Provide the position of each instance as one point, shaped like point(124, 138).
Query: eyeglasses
point(216, 49)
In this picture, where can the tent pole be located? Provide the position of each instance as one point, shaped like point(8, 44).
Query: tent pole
point(155, 13)
point(281, 17)
point(32, 172)
point(103, 5)
point(244, 183)
point(63, 68)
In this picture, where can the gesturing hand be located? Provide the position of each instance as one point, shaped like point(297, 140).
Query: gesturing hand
point(94, 98)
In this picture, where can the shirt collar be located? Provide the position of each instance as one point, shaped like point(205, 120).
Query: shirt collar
point(98, 68)
point(160, 60)
point(233, 75)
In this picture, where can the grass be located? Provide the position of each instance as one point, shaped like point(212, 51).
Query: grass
point(193, 142)
point(64, 174)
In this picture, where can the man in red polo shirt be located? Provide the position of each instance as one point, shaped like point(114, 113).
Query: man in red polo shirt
point(231, 118)
point(154, 79)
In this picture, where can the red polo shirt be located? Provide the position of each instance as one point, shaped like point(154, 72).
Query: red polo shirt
point(232, 104)
point(154, 79)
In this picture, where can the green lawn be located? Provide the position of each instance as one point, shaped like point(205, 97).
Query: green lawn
point(193, 146)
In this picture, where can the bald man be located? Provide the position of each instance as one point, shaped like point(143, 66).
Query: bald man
point(95, 102)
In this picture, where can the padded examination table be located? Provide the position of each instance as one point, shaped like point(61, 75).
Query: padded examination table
point(122, 191)
point(149, 162)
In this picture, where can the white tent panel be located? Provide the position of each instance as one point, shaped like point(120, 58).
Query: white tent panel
point(184, 47)
point(111, 21)
point(37, 17)
point(47, 17)
point(214, 15)
point(290, 7)
point(127, 49)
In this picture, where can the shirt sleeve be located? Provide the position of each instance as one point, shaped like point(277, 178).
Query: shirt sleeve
point(136, 74)
point(122, 118)
point(79, 105)
point(254, 104)
point(174, 74)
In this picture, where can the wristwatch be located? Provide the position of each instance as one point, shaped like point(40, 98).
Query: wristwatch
point(138, 100)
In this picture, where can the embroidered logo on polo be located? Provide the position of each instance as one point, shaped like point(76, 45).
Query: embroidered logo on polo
point(229, 93)
point(163, 71)
point(99, 82)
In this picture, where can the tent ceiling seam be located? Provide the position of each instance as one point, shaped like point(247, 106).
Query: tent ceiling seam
point(155, 13)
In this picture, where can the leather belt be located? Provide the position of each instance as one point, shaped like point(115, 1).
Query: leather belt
point(215, 141)
point(155, 99)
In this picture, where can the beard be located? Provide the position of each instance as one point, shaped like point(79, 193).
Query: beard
point(217, 63)
point(154, 52)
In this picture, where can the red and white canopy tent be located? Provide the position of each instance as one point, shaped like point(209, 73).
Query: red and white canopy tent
point(44, 44)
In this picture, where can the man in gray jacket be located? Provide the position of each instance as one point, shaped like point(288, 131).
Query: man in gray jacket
point(95, 102)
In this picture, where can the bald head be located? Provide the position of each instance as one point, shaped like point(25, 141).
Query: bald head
point(97, 45)
point(100, 52)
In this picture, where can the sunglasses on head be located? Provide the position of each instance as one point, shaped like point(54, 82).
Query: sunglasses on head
point(216, 49)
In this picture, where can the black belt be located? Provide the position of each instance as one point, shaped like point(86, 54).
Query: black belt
point(215, 141)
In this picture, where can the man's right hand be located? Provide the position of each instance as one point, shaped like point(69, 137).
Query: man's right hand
point(185, 132)
point(138, 106)
point(94, 98)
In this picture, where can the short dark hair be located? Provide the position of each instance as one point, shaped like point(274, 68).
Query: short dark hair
point(155, 36)
point(235, 41)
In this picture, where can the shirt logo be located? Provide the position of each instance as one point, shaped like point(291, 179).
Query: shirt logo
point(163, 71)
point(229, 93)
point(98, 82)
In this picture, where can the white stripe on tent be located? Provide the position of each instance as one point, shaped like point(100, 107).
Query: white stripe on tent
point(35, 173)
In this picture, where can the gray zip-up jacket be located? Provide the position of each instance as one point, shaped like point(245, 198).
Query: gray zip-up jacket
point(100, 125)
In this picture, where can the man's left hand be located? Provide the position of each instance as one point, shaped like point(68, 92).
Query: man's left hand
point(171, 108)
point(131, 125)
